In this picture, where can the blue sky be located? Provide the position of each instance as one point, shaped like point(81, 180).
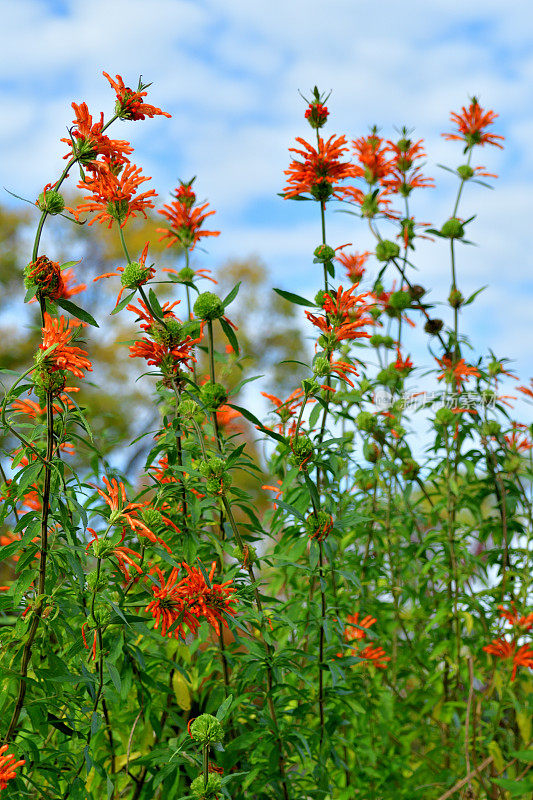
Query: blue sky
point(229, 72)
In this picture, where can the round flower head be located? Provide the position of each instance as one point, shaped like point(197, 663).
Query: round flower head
point(206, 729)
point(208, 306)
point(205, 791)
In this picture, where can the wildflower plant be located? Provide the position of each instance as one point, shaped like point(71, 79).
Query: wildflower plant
point(365, 636)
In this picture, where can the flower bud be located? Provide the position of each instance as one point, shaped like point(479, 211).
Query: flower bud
point(387, 250)
point(366, 421)
point(245, 555)
point(320, 297)
point(491, 428)
point(433, 326)
point(214, 471)
point(208, 306)
point(302, 448)
point(416, 291)
point(206, 729)
point(455, 298)
point(316, 115)
point(365, 479)
point(453, 229)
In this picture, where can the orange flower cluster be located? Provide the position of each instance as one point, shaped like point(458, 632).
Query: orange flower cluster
point(321, 169)
point(345, 315)
point(167, 348)
point(50, 280)
point(286, 410)
point(458, 372)
point(8, 766)
point(354, 263)
point(503, 648)
point(64, 356)
point(130, 104)
point(87, 141)
point(188, 601)
point(113, 194)
point(185, 220)
point(472, 123)
point(124, 513)
point(355, 631)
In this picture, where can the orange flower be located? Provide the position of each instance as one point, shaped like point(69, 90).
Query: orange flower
point(286, 409)
point(401, 363)
point(457, 373)
point(515, 619)
point(188, 601)
point(130, 104)
point(276, 489)
point(68, 289)
point(88, 141)
point(471, 125)
point(123, 513)
point(321, 169)
point(8, 765)
point(64, 356)
point(398, 181)
point(185, 220)
point(371, 152)
point(112, 195)
point(518, 440)
point(354, 625)
point(526, 389)
point(523, 657)
point(354, 264)
point(344, 315)
point(376, 655)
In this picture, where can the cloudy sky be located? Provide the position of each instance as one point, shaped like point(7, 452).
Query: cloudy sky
point(229, 72)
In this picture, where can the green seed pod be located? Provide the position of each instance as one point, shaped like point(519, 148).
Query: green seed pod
point(400, 300)
point(453, 229)
point(371, 451)
point(52, 202)
point(169, 334)
point(205, 791)
point(387, 250)
point(245, 555)
point(152, 518)
point(302, 447)
point(206, 729)
point(366, 421)
point(324, 253)
point(186, 274)
point(134, 275)
point(319, 526)
point(319, 298)
point(213, 395)
point(213, 467)
point(365, 479)
point(376, 340)
point(444, 417)
point(208, 306)
point(465, 172)
point(491, 428)
point(512, 463)
point(410, 468)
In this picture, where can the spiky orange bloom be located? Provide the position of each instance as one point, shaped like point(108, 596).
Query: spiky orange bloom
point(523, 657)
point(376, 655)
point(141, 277)
point(188, 601)
point(403, 183)
point(371, 152)
point(124, 513)
point(345, 314)
point(276, 489)
point(286, 409)
point(401, 363)
point(354, 263)
point(185, 220)
point(515, 619)
point(471, 124)
point(8, 765)
point(88, 141)
point(526, 389)
point(321, 169)
point(518, 440)
point(122, 554)
point(371, 204)
point(113, 195)
point(457, 373)
point(130, 104)
point(64, 356)
point(353, 628)
point(68, 289)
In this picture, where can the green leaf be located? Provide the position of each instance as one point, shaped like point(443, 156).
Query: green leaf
point(290, 509)
point(224, 708)
point(123, 303)
point(252, 418)
point(473, 296)
point(68, 264)
point(294, 298)
point(231, 296)
point(115, 677)
point(228, 330)
point(154, 302)
point(76, 311)
point(30, 293)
